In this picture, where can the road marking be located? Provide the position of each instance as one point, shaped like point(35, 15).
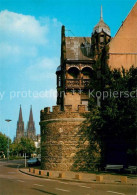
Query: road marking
point(115, 192)
point(20, 180)
point(77, 184)
point(85, 187)
point(50, 180)
point(62, 190)
point(37, 185)
point(11, 172)
point(62, 182)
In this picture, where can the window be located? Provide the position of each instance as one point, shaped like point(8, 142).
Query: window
point(85, 102)
point(59, 80)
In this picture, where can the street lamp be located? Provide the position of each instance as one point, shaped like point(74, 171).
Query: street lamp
point(8, 120)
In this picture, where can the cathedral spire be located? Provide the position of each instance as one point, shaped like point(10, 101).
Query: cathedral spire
point(20, 115)
point(31, 115)
point(20, 126)
point(31, 131)
point(101, 14)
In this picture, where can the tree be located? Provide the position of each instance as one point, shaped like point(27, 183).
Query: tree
point(118, 116)
point(15, 148)
point(4, 144)
point(111, 125)
point(26, 145)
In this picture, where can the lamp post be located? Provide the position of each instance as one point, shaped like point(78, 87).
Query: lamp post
point(8, 120)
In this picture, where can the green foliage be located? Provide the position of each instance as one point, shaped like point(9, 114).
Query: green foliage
point(115, 122)
point(112, 126)
point(4, 144)
point(25, 145)
point(15, 148)
point(88, 156)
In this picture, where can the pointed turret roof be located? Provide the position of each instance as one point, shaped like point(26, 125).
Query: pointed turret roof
point(101, 25)
point(20, 115)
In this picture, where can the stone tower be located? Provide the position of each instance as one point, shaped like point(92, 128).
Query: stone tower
point(59, 128)
point(20, 126)
point(31, 131)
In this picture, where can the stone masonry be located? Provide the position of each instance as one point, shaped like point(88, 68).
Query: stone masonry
point(59, 134)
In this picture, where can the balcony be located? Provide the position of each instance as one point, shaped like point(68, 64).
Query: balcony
point(77, 83)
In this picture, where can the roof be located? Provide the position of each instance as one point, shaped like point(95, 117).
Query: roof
point(58, 68)
point(123, 47)
point(125, 40)
point(101, 25)
point(78, 48)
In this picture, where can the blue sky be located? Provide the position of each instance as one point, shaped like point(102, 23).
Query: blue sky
point(30, 32)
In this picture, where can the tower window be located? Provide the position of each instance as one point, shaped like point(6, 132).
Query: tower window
point(73, 72)
point(101, 38)
point(59, 80)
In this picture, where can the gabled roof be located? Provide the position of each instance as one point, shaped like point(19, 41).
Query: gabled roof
point(125, 40)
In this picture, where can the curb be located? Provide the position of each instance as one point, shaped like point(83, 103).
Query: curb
point(74, 180)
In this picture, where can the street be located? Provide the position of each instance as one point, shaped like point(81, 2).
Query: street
point(13, 182)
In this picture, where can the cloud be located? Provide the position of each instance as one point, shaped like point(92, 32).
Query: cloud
point(30, 43)
point(20, 37)
point(43, 69)
point(19, 27)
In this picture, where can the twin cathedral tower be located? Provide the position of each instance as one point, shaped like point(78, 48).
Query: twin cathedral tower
point(30, 131)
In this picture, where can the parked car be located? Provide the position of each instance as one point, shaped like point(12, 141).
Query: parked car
point(33, 162)
point(115, 168)
point(131, 169)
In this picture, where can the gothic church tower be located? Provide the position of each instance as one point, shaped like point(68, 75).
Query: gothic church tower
point(20, 126)
point(31, 131)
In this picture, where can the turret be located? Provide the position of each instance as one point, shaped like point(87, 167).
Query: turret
point(100, 36)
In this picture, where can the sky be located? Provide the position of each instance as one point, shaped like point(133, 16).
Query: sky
point(30, 38)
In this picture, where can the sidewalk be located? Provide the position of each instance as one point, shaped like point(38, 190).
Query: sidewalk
point(85, 177)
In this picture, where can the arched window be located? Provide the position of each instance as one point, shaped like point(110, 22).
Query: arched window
point(73, 73)
point(87, 72)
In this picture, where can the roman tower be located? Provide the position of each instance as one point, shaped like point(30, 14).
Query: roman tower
point(20, 126)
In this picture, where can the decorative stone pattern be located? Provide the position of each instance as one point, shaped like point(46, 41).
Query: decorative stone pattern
point(59, 137)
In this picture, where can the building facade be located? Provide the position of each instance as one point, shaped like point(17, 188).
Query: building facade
point(59, 128)
point(78, 55)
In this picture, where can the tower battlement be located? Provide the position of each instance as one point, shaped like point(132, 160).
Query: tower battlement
point(46, 114)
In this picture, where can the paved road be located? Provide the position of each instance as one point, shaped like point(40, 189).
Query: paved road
point(12, 182)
